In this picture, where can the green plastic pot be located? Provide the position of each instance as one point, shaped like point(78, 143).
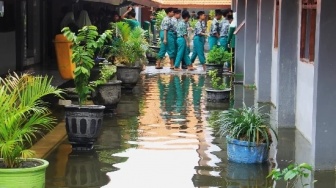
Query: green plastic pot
point(33, 177)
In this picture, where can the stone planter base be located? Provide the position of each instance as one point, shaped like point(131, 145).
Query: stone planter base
point(246, 152)
point(108, 94)
point(128, 75)
point(83, 125)
point(218, 95)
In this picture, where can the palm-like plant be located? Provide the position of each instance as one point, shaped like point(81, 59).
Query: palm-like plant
point(159, 17)
point(23, 115)
point(246, 123)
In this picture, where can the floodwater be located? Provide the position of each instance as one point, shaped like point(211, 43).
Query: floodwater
point(160, 138)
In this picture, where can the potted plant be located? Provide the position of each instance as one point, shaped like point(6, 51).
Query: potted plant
point(216, 59)
point(152, 54)
point(83, 122)
point(129, 52)
point(107, 92)
point(248, 134)
point(24, 115)
point(219, 91)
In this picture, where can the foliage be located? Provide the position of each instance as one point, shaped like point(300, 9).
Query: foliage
point(246, 123)
point(218, 55)
point(106, 72)
point(128, 48)
point(193, 22)
point(212, 14)
point(216, 81)
point(84, 45)
point(23, 115)
point(159, 17)
point(292, 174)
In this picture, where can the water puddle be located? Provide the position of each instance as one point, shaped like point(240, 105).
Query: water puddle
point(160, 137)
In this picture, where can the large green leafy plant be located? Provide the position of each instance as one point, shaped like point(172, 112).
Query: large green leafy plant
point(106, 72)
point(129, 46)
point(23, 115)
point(159, 17)
point(218, 55)
point(84, 46)
point(217, 81)
point(246, 123)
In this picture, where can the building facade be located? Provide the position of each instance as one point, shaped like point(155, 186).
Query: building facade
point(287, 49)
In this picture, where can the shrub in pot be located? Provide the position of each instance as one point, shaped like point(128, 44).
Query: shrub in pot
point(219, 91)
point(248, 134)
point(129, 51)
point(24, 115)
point(83, 122)
point(216, 59)
point(107, 92)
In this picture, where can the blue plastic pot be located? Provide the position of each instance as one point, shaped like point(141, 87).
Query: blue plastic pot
point(246, 152)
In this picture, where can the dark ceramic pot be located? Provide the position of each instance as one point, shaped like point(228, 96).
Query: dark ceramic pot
point(246, 152)
point(218, 95)
point(218, 67)
point(128, 75)
point(107, 94)
point(83, 125)
point(151, 57)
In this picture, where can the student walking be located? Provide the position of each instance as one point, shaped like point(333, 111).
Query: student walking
point(168, 39)
point(224, 30)
point(215, 29)
point(182, 42)
point(199, 40)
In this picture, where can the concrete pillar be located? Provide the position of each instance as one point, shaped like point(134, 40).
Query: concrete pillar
point(324, 103)
point(287, 61)
point(234, 5)
point(264, 50)
point(240, 40)
point(251, 22)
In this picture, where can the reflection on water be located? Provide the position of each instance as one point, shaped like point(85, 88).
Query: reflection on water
point(159, 137)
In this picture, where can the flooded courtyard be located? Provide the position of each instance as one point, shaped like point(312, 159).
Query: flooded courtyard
point(160, 136)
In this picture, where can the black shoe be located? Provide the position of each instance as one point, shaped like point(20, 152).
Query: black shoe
point(184, 67)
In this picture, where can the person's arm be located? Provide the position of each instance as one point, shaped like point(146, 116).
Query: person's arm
point(125, 14)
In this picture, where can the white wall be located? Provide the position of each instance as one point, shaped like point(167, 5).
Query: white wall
point(304, 99)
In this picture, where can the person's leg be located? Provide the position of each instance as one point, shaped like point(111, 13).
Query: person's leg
point(171, 48)
point(200, 52)
point(194, 54)
point(212, 41)
point(224, 42)
point(162, 52)
point(181, 46)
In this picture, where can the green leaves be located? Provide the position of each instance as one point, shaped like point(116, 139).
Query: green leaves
point(246, 123)
point(218, 55)
point(292, 174)
point(85, 43)
point(217, 81)
point(24, 115)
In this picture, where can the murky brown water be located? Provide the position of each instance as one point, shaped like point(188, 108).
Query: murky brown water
point(160, 137)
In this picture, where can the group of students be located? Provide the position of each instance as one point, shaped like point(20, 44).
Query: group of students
point(175, 41)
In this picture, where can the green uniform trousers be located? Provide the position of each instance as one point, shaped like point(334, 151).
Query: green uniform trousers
point(213, 40)
point(223, 41)
point(170, 47)
point(182, 52)
point(198, 49)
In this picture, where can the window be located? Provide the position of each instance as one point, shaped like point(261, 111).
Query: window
point(276, 26)
point(308, 28)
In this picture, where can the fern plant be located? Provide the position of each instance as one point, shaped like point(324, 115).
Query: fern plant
point(23, 115)
point(106, 72)
point(216, 81)
point(84, 46)
point(246, 123)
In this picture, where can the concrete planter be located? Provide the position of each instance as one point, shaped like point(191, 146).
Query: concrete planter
point(128, 75)
point(24, 177)
point(218, 95)
point(246, 152)
point(108, 94)
point(218, 67)
point(83, 125)
point(151, 57)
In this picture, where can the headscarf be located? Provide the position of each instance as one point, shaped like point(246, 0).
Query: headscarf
point(234, 21)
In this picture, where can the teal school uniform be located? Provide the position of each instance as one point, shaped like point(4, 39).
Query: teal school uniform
point(214, 30)
point(132, 23)
point(224, 33)
point(199, 41)
point(168, 24)
point(182, 49)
